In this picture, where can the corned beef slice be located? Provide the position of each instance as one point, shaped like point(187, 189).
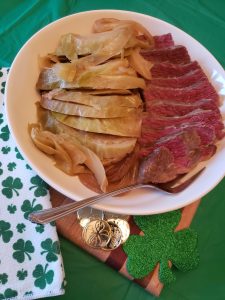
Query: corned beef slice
point(205, 132)
point(163, 41)
point(173, 54)
point(158, 167)
point(175, 108)
point(207, 117)
point(166, 70)
point(195, 92)
point(185, 80)
point(186, 149)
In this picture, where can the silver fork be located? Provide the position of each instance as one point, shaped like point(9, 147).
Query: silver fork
point(52, 214)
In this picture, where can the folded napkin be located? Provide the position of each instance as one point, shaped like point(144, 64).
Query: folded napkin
point(30, 260)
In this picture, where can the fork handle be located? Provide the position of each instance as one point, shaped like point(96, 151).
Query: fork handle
point(48, 215)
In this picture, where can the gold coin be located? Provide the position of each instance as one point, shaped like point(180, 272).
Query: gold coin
point(123, 226)
point(116, 237)
point(97, 233)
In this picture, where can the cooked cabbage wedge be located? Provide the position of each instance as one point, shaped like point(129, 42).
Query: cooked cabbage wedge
point(115, 74)
point(109, 148)
point(91, 98)
point(126, 126)
point(69, 108)
point(69, 155)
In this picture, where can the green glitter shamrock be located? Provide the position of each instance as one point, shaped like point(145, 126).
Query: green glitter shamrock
point(29, 207)
point(8, 294)
point(161, 244)
point(21, 227)
point(5, 231)
point(11, 166)
point(42, 276)
point(22, 274)
point(51, 248)
point(5, 133)
point(11, 208)
point(18, 155)
point(11, 185)
point(40, 185)
point(3, 278)
point(6, 150)
point(22, 248)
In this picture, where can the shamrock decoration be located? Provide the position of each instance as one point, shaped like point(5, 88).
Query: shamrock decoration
point(39, 185)
point(5, 231)
point(29, 207)
point(51, 248)
point(39, 228)
point(5, 133)
point(42, 276)
point(22, 248)
point(161, 244)
point(11, 208)
point(21, 227)
point(22, 274)
point(3, 278)
point(11, 166)
point(8, 294)
point(11, 185)
point(18, 155)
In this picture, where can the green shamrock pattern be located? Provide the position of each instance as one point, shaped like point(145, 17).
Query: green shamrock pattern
point(43, 276)
point(29, 253)
point(51, 248)
point(11, 186)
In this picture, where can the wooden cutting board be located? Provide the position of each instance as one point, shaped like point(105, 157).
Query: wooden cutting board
point(69, 228)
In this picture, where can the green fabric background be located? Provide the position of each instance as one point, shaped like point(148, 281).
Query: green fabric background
point(88, 278)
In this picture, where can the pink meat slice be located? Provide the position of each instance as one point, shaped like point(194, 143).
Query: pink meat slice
point(183, 81)
point(163, 41)
point(175, 108)
point(205, 132)
point(207, 117)
point(167, 70)
point(173, 54)
point(186, 149)
point(189, 94)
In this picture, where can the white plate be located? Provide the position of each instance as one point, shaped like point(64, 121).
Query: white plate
point(21, 96)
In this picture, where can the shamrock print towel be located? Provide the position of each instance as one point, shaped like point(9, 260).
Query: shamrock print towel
point(30, 261)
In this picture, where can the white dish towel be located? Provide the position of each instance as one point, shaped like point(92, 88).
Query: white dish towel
point(31, 264)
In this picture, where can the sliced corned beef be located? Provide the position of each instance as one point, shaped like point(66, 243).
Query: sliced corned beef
point(174, 54)
point(175, 108)
point(201, 90)
point(184, 148)
point(158, 167)
point(163, 41)
point(166, 70)
point(186, 80)
point(207, 117)
point(205, 132)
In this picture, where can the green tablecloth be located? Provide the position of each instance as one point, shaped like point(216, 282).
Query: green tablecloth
point(87, 278)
